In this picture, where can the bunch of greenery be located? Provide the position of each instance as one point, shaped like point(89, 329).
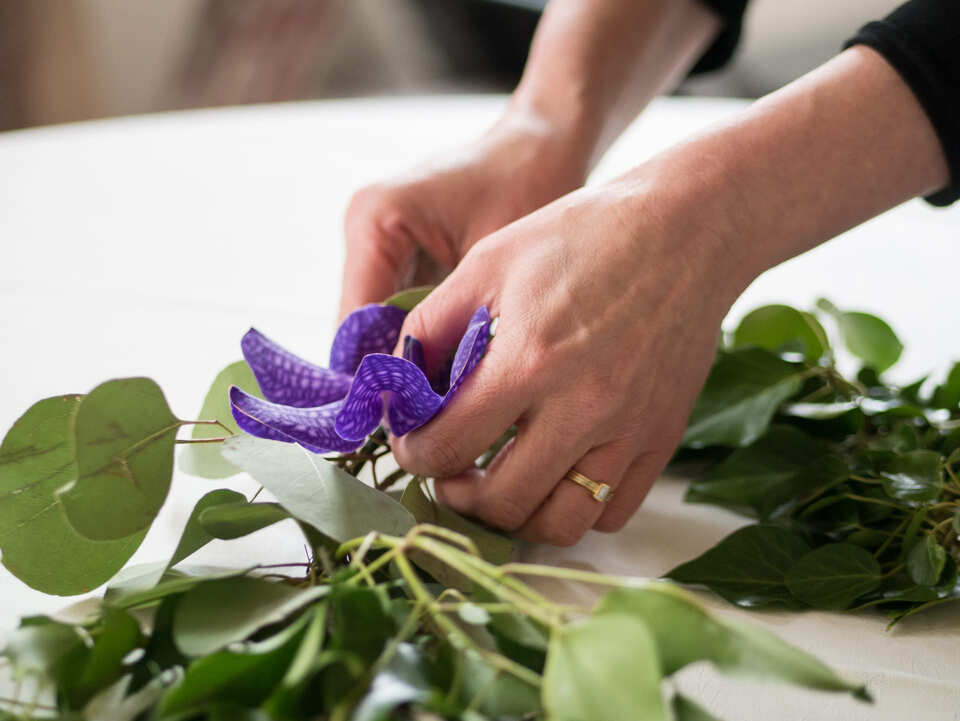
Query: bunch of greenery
point(853, 481)
point(402, 610)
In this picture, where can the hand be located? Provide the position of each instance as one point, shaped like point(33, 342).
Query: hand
point(610, 302)
point(415, 229)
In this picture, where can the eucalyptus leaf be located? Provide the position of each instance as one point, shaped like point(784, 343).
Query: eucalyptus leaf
point(150, 583)
point(124, 434)
point(775, 327)
point(88, 670)
point(230, 521)
point(36, 459)
point(748, 567)
point(914, 476)
point(607, 662)
point(686, 710)
point(926, 561)
point(316, 491)
point(214, 614)
point(204, 459)
point(39, 648)
point(866, 336)
point(493, 693)
point(405, 680)
point(410, 298)
point(195, 536)
point(772, 475)
point(833, 576)
point(741, 394)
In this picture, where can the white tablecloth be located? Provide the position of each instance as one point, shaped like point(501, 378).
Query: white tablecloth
point(149, 245)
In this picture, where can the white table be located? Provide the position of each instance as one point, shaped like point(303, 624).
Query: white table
point(148, 245)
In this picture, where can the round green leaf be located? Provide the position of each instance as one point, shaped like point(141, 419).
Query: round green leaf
point(926, 561)
point(204, 459)
point(780, 327)
point(832, 577)
point(234, 520)
point(124, 434)
point(39, 546)
point(409, 299)
point(870, 339)
point(914, 476)
point(195, 536)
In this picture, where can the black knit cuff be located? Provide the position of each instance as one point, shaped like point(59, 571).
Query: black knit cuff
point(931, 84)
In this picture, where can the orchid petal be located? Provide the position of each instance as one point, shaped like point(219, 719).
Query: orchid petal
point(413, 352)
point(288, 379)
point(370, 329)
point(411, 400)
point(471, 349)
point(312, 428)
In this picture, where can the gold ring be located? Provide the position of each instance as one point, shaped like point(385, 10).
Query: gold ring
point(600, 491)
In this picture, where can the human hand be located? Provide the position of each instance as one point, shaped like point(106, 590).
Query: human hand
point(610, 301)
point(415, 229)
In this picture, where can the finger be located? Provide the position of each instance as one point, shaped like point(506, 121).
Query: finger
point(571, 510)
point(634, 487)
point(519, 479)
point(490, 400)
point(378, 253)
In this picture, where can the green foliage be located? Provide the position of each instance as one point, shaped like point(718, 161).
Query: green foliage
point(864, 474)
point(204, 459)
point(410, 298)
point(37, 459)
point(124, 434)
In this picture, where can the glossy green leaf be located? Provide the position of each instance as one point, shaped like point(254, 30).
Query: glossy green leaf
point(747, 567)
point(124, 433)
point(214, 614)
point(742, 392)
point(495, 694)
point(915, 476)
point(686, 633)
point(316, 491)
point(926, 561)
point(195, 536)
point(780, 327)
point(772, 475)
point(947, 394)
point(866, 336)
point(204, 459)
point(241, 519)
point(833, 576)
point(37, 459)
point(410, 298)
point(148, 584)
point(606, 662)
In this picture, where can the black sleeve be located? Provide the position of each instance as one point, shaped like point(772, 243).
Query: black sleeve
point(718, 54)
point(921, 40)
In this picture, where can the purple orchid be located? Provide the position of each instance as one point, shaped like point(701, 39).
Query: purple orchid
point(336, 408)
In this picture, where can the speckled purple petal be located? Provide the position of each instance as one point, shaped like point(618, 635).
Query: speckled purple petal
point(312, 428)
point(411, 401)
point(470, 351)
point(288, 379)
point(370, 329)
point(413, 352)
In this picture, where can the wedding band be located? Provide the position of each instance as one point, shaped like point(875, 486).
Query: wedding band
point(600, 491)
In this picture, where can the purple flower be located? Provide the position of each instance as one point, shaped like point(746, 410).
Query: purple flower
point(336, 408)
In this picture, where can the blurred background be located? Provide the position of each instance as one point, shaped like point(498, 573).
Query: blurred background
point(67, 60)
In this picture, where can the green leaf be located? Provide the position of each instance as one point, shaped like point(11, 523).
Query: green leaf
point(772, 475)
point(36, 459)
point(195, 536)
point(686, 710)
point(915, 476)
point(246, 677)
point(926, 561)
point(124, 433)
point(241, 519)
point(316, 491)
point(493, 546)
point(405, 680)
point(148, 584)
point(204, 459)
point(88, 670)
point(747, 567)
point(742, 392)
point(214, 614)
point(777, 327)
point(833, 576)
point(473, 614)
point(866, 336)
point(409, 299)
point(947, 394)
point(500, 695)
point(39, 647)
point(686, 633)
point(604, 662)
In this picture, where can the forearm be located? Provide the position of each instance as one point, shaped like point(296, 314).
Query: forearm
point(829, 151)
point(594, 64)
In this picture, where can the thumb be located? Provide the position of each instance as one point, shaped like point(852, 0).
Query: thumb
point(440, 320)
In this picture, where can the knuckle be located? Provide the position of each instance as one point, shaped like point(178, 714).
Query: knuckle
point(564, 535)
point(611, 522)
point(437, 456)
point(503, 511)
